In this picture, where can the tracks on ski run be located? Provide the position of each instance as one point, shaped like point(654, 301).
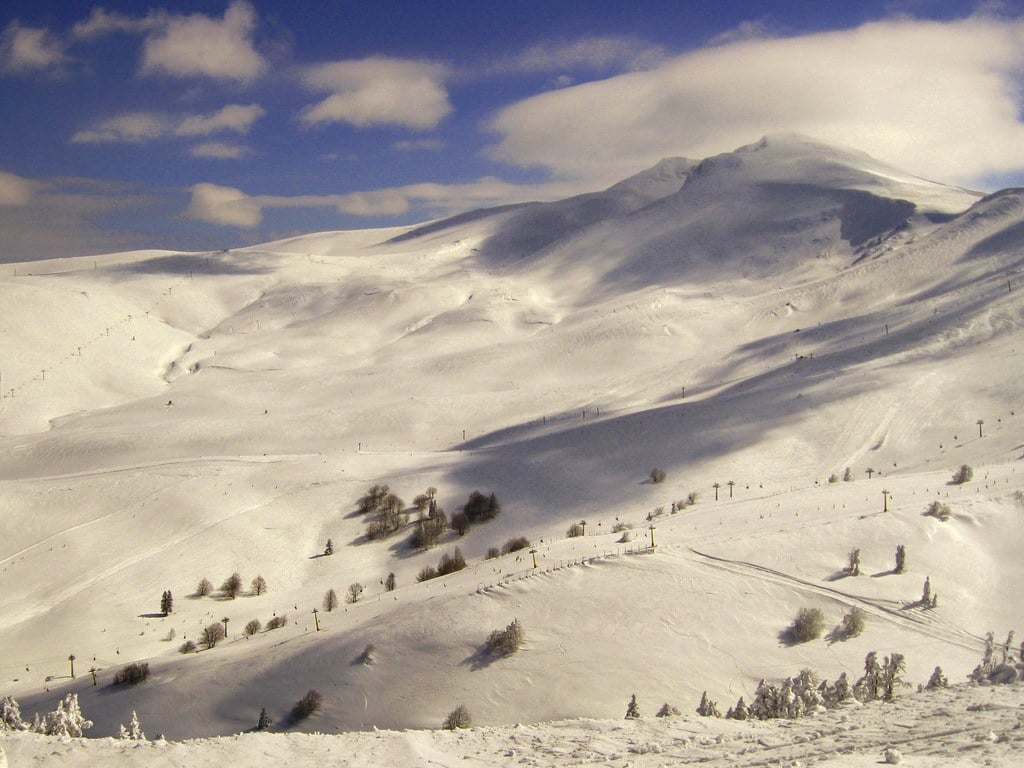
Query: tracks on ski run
point(929, 623)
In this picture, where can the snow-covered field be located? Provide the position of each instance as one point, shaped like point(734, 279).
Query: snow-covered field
point(760, 321)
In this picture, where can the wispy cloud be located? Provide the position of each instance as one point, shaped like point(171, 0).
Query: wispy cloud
point(237, 118)
point(137, 127)
point(103, 22)
point(228, 206)
point(29, 49)
point(378, 91)
point(419, 145)
point(587, 54)
point(938, 98)
point(219, 150)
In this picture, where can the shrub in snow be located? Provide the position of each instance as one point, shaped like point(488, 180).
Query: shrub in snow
point(276, 622)
point(460, 523)
point(633, 709)
point(10, 715)
point(330, 601)
point(847, 475)
point(515, 544)
point(502, 642)
point(426, 573)
point(307, 705)
point(449, 563)
point(963, 475)
point(667, 710)
point(808, 625)
point(492, 552)
point(134, 730)
point(657, 475)
point(329, 549)
point(389, 583)
point(939, 510)
point(937, 680)
point(707, 707)
point(132, 674)
point(853, 562)
point(355, 591)
point(853, 623)
point(901, 558)
point(212, 634)
point(892, 756)
point(232, 586)
point(204, 588)
point(188, 647)
point(833, 478)
point(369, 655)
point(253, 627)
point(574, 531)
point(65, 720)
point(1004, 674)
point(838, 692)
point(457, 718)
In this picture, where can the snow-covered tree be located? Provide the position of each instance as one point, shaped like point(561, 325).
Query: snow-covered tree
point(134, 730)
point(739, 712)
point(66, 719)
point(10, 715)
point(937, 680)
point(707, 707)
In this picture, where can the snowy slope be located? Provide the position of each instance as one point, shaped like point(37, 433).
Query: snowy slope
point(770, 317)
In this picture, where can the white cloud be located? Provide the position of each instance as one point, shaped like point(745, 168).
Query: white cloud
point(378, 91)
point(27, 49)
point(137, 127)
point(102, 22)
point(15, 191)
point(226, 206)
point(231, 207)
point(131, 128)
point(202, 46)
point(938, 99)
point(234, 117)
point(218, 150)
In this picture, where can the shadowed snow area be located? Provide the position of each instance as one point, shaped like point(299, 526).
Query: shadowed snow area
point(750, 324)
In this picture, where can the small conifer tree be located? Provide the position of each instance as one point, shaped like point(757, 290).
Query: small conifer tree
point(264, 722)
point(901, 558)
point(166, 602)
point(633, 709)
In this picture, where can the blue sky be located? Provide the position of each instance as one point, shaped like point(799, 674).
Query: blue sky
point(200, 125)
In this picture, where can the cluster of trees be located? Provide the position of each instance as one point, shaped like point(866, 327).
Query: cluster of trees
point(66, 720)
point(804, 694)
point(998, 664)
point(389, 514)
point(449, 563)
point(230, 588)
point(132, 674)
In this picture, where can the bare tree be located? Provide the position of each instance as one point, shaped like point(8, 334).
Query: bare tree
point(232, 585)
point(259, 585)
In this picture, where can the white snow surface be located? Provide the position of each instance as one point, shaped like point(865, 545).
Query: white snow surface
point(759, 320)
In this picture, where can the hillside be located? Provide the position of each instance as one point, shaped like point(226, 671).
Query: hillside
point(767, 317)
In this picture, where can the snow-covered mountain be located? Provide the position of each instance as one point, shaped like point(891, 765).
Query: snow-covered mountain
point(759, 320)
